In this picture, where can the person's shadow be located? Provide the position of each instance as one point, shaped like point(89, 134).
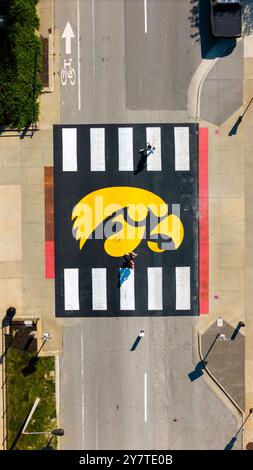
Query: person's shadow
point(142, 163)
point(123, 274)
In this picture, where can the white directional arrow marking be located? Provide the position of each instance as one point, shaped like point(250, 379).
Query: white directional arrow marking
point(68, 35)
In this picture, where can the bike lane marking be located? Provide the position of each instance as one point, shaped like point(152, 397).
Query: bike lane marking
point(78, 56)
point(66, 18)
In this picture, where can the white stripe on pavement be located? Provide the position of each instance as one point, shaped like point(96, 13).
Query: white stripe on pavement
point(153, 137)
point(97, 149)
point(71, 289)
point(127, 300)
point(69, 149)
point(78, 55)
point(99, 290)
point(183, 288)
point(145, 17)
point(126, 159)
point(182, 154)
point(155, 289)
point(83, 391)
point(145, 398)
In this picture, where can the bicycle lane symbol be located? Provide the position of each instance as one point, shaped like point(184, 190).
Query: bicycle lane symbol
point(68, 73)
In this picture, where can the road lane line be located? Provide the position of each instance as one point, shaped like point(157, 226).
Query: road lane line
point(145, 17)
point(69, 149)
point(71, 289)
point(145, 397)
point(97, 149)
point(127, 300)
point(82, 387)
point(182, 153)
point(99, 290)
point(155, 288)
point(78, 55)
point(125, 142)
point(153, 137)
point(183, 288)
point(93, 45)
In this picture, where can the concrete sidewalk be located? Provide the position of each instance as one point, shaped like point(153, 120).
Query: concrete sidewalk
point(230, 230)
point(22, 218)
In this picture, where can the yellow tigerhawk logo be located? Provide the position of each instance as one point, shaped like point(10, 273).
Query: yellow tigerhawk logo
point(120, 214)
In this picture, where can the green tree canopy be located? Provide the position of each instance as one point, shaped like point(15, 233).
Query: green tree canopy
point(20, 63)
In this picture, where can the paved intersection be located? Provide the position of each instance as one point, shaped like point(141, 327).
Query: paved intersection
point(127, 75)
point(98, 166)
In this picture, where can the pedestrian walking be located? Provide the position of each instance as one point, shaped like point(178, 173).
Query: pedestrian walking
point(130, 256)
point(149, 148)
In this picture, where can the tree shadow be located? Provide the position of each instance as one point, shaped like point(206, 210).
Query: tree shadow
point(211, 47)
point(247, 17)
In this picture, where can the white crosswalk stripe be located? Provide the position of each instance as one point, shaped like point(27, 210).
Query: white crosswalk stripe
point(99, 289)
point(69, 149)
point(71, 289)
point(97, 149)
point(183, 288)
point(127, 290)
point(153, 137)
point(125, 140)
point(155, 289)
point(182, 151)
point(126, 150)
point(127, 293)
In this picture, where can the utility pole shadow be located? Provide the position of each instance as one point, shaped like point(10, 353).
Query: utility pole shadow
point(237, 329)
point(136, 342)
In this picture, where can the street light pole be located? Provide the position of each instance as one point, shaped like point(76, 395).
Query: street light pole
point(45, 338)
point(54, 432)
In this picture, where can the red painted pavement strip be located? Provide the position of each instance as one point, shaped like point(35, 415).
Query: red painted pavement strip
point(49, 259)
point(49, 223)
point(203, 223)
point(203, 229)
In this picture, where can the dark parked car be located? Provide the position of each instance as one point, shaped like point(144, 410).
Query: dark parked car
point(226, 18)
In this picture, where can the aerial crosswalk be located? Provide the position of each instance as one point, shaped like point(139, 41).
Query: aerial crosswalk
point(112, 156)
point(126, 148)
point(152, 278)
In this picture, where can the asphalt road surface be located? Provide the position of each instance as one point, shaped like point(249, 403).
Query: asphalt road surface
point(132, 55)
point(107, 403)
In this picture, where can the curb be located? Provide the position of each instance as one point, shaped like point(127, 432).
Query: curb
point(215, 380)
point(57, 395)
point(196, 83)
point(4, 394)
point(220, 387)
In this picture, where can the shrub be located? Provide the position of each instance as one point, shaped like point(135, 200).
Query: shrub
point(20, 64)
